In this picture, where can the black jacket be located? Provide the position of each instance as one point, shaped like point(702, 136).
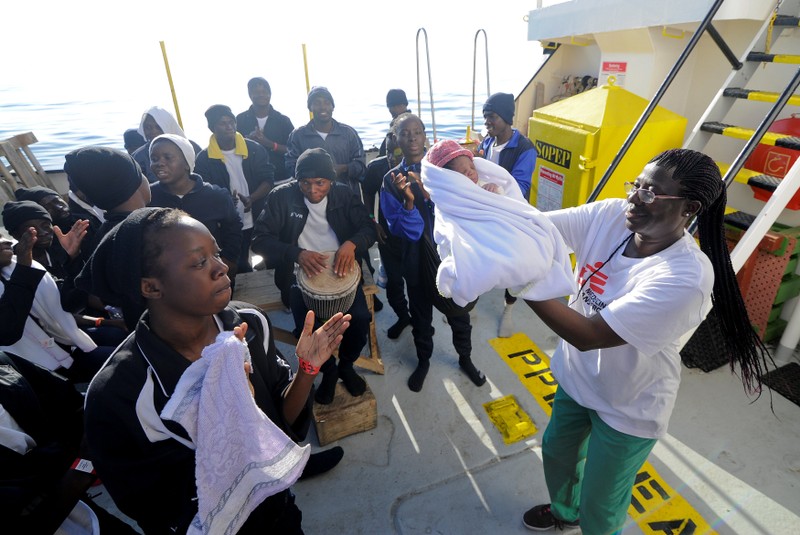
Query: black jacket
point(277, 229)
point(50, 410)
point(212, 206)
point(277, 128)
point(257, 170)
point(148, 472)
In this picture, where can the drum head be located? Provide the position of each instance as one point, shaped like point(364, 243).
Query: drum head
point(329, 283)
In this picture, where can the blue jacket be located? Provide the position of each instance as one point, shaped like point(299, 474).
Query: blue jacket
point(342, 143)
point(212, 206)
point(518, 158)
point(408, 225)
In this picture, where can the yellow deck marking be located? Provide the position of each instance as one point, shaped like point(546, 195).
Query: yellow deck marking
point(655, 506)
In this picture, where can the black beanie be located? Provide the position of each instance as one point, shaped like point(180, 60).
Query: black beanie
point(217, 112)
point(108, 177)
point(257, 81)
point(395, 97)
point(114, 271)
point(319, 91)
point(314, 163)
point(35, 194)
point(502, 104)
point(15, 213)
point(133, 137)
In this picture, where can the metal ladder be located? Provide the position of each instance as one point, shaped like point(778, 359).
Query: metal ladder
point(712, 122)
point(475, 73)
point(430, 82)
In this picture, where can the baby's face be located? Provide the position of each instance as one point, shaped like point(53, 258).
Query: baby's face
point(465, 166)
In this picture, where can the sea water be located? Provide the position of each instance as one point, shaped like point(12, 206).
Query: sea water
point(61, 126)
point(84, 81)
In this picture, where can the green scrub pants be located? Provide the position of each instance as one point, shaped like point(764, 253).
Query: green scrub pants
point(589, 467)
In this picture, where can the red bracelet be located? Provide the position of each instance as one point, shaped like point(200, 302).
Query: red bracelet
point(274, 147)
point(307, 367)
point(98, 322)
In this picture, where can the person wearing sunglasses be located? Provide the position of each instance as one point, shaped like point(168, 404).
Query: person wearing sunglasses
point(643, 284)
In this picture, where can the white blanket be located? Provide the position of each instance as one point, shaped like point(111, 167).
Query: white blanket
point(241, 456)
point(489, 241)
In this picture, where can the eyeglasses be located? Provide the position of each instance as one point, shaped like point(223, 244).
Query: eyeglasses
point(646, 195)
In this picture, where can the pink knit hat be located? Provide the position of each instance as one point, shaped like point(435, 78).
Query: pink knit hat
point(443, 152)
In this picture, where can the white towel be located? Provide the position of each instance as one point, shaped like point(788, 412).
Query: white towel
point(241, 456)
point(489, 241)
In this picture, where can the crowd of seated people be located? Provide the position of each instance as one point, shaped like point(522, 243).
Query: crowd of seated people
point(67, 316)
point(62, 321)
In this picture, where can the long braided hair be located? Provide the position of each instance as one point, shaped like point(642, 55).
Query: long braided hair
point(701, 181)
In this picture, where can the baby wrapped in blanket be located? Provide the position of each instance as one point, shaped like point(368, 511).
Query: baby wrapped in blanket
point(487, 235)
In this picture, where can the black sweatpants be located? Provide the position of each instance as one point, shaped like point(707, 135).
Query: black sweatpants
point(421, 309)
point(392, 261)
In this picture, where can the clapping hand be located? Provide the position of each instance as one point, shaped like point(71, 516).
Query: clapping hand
point(71, 241)
point(316, 347)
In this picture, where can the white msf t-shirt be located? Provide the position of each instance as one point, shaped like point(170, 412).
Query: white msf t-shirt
point(233, 163)
point(649, 302)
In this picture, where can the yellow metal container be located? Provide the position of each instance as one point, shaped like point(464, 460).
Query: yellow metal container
point(577, 138)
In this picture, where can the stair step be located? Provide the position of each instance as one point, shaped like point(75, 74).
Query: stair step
point(770, 138)
point(760, 96)
point(786, 20)
point(765, 182)
point(744, 176)
point(774, 58)
point(740, 220)
point(762, 186)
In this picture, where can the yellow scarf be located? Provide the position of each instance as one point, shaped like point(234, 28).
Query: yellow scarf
point(215, 152)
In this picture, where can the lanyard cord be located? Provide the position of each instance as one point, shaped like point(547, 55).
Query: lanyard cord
point(595, 271)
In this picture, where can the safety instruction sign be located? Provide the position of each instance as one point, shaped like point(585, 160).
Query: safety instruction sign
point(613, 73)
point(550, 193)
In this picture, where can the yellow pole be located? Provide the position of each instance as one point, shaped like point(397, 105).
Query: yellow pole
point(171, 85)
point(308, 85)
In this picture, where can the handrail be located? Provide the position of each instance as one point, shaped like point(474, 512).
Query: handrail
point(474, 69)
point(656, 99)
point(723, 46)
point(748, 148)
point(430, 82)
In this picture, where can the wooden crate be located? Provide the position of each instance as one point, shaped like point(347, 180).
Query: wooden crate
point(346, 416)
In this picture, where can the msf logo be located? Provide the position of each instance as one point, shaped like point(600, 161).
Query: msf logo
point(597, 280)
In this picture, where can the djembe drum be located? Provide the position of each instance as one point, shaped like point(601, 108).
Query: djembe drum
point(327, 293)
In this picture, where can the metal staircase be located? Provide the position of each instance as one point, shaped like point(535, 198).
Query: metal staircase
point(715, 122)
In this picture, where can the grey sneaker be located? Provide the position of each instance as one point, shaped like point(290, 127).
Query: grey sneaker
point(540, 518)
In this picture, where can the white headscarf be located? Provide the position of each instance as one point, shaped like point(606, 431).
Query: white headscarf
point(183, 144)
point(164, 120)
